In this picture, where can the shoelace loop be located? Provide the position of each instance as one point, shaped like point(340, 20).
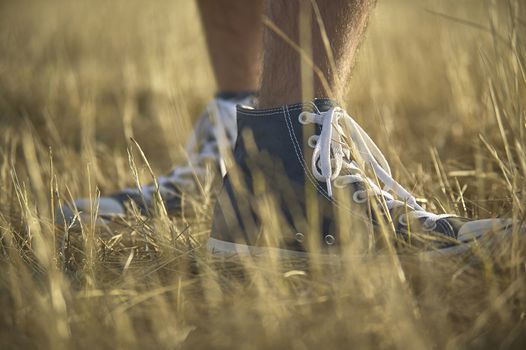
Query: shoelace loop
point(340, 135)
point(218, 129)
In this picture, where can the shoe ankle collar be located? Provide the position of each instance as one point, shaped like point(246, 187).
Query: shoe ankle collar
point(317, 104)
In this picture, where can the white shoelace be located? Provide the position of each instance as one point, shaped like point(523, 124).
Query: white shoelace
point(332, 155)
point(218, 130)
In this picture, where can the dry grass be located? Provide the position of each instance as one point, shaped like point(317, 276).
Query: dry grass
point(444, 96)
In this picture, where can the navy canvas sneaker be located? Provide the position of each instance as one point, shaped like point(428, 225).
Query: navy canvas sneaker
point(214, 132)
point(300, 169)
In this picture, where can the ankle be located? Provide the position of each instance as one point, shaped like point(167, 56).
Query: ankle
point(232, 95)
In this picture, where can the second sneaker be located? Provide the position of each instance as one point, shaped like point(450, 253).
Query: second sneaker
point(215, 131)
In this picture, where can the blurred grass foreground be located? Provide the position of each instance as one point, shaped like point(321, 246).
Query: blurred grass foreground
point(440, 85)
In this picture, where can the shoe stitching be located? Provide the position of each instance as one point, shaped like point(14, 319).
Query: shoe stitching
point(296, 146)
point(288, 120)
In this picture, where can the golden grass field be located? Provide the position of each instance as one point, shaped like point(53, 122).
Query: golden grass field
point(441, 87)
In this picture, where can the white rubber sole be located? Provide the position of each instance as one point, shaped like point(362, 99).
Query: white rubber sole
point(226, 249)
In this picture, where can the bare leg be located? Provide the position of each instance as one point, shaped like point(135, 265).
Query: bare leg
point(233, 31)
point(283, 65)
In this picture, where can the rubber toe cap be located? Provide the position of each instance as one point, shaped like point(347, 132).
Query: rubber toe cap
point(107, 206)
point(477, 228)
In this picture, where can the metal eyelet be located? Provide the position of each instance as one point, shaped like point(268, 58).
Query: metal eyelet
point(428, 227)
point(299, 237)
point(302, 118)
point(357, 197)
point(313, 141)
point(402, 220)
point(330, 240)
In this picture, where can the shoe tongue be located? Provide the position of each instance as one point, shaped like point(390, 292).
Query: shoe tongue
point(324, 104)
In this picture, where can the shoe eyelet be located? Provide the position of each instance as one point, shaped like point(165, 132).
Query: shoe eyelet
point(299, 237)
point(357, 197)
point(303, 118)
point(428, 227)
point(329, 239)
point(313, 141)
point(402, 220)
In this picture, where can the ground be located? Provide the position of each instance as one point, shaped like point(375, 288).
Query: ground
point(441, 87)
